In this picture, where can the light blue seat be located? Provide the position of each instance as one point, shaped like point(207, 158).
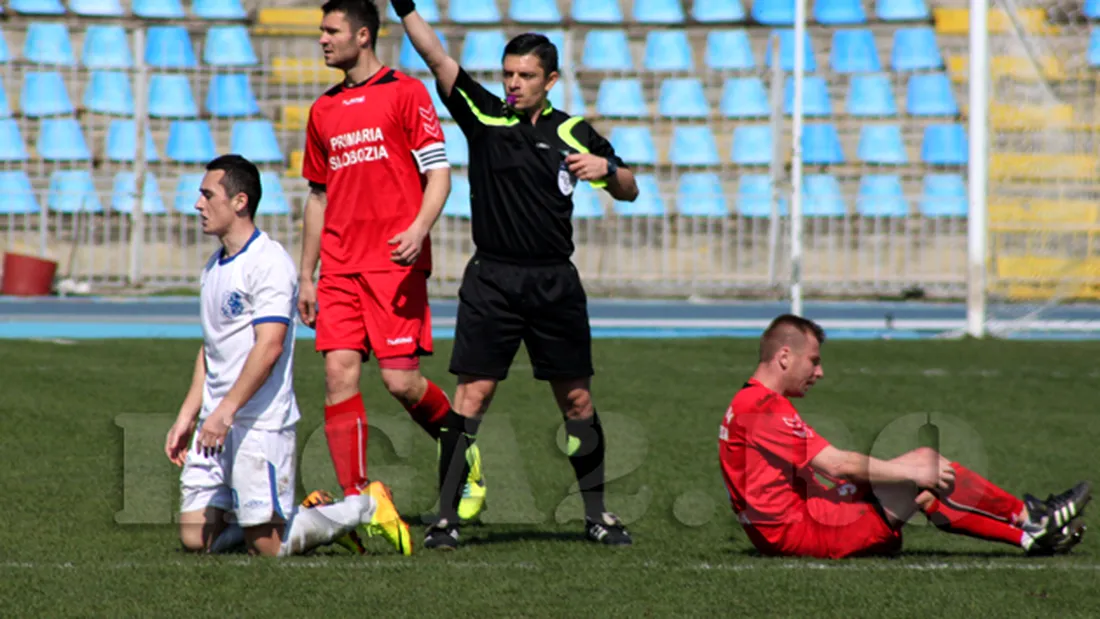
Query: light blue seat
point(190, 141)
point(61, 139)
point(586, 203)
point(821, 144)
point(699, 194)
point(38, 7)
point(752, 145)
point(754, 197)
point(557, 37)
point(533, 11)
point(773, 12)
point(106, 47)
point(124, 194)
point(607, 50)
point(668, 50)
point(483, 50)
point(634, 144)
point(786, 52)
point(48, 43)
point(458, 149)
point(473, 12)
point(122, 142)
point(169, 47)
point(230, 96)
point(109, 92)
point(228, 46)
point(494, 87)
point(17, 196)
point(187, 193)
point(73, 191)
point(871, 95)
point(944, 145)
point(12, 147)
point(822, 197)
point(410, 60)
point(881, 195)
point(815, 97)
point(5, 105)
point(219, 9)
point(428, 9)
point(157, 9)
point(1093, 51)
point(854, 52)
point(96, 8)
point(574, 106)
point(729, 50)
point(458, 202)
point(44, 94)
point(433, 92)
point(882, 144)
point(621, 98)
point(717, 11)
point(1092, 9)
point(693, 146)
point(930, 94)
point(649, 202)
point(274, 200)
point(744, 97)
point(170, 96)
point(255, 140)
point(839, 12)
point(944, 195)
point(915, 49)
point(902, 10)
point(658, 12)
point(597, 12)
point(682, 98)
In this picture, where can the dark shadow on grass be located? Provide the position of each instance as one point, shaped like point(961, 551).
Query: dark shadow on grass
point(509, 537)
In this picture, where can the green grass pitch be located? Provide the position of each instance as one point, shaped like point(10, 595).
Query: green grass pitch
point(89, 499)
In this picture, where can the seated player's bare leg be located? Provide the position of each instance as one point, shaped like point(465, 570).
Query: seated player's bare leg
point(900, 501)
point(199, 528)
point(341, 375)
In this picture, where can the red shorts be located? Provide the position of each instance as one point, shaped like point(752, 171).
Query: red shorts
point(384, 311)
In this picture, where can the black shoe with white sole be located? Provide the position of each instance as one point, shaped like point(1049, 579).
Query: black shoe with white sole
point(608, 530)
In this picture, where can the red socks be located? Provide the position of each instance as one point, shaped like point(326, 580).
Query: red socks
point(974, 492)
point(974, 525)
point(430, 411)
point(346, 431)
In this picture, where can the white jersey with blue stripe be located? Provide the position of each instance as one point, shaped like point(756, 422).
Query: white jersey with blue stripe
point(258, 284)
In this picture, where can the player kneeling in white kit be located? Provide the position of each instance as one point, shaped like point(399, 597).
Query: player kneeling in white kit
point(238, 477)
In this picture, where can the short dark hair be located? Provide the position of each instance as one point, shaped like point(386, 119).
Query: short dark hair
point(537, 44)
point(360, 14)
point(782, 331)
point(241, 176)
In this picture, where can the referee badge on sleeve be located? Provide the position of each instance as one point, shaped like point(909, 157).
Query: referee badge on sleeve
point(566, 180)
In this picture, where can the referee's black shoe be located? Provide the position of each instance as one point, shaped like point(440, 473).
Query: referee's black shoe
point(608, 530)
point(441, 535)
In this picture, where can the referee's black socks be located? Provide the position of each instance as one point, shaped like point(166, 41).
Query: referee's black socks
point(585, 446)
point(455, 437)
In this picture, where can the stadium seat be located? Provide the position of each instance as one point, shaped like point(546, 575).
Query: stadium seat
point(902, 10)
point(649, 202)
point(607, 50)
point(1093, 51)
point(38, 7)
point(586, 204)
point(61, 139)
point(16, 193)
point(754, 196)
point(44, 94)
point(458, 202)
point(882, 144)
point(255, 140)
point(428, 9)
point(409, 60)
point(433, 92)
point(228, 46)
point(106, 47)
point(786, 52)
point(815, 97)
point(729, 50)
point(157, 9)
point(717, 11)
point(773, 12)
point(124, 194)
point(1092, 9)
point(621, 98)
point(944, 145)
point(5, 105)
point(473, 12)
point(458, 150)
point(822, 197)
point(482, 50)
point(915, 49)
point(574, 106)
point(170, 96)
point(96, 8)
point(699, 194)
point(821, 144)
point(48, 43)
point(218, 9)
point(274, 200)
point(187, 193)
point(634, 144)
point(12, 147)
point(73, 191)
point(122, 142)
point(668, 50)
point(752, 145)
point(744, 97)
point(230, 96)
point(5, 53)
point(854, 52)
point(557, 37)
point(597, 12)
point(881, 195)
point(658, 12)
point(109, 92)
point(945, 195)
point(682, 98)
point(169, 47)
point(839, 12)
point(693, 146)
point(871, 95)
point(190, 141)
point(930, 94)
point(533, 11)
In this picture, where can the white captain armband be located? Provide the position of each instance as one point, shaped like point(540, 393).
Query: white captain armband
point(431, 157)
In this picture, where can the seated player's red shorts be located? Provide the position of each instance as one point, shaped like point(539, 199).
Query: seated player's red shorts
point(381, 311)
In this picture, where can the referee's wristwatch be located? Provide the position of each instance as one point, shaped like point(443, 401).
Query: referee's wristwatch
point(612, 168)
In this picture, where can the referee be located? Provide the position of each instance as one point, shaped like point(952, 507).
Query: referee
point(525, 160)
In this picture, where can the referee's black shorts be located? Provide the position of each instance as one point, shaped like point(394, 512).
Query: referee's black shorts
point(501, 305)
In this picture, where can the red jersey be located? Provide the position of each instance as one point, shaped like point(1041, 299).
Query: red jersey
point(369, 146)
point(765, 449)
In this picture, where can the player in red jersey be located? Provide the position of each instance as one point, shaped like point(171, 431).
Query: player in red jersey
point(379, 176)
point(771, 459)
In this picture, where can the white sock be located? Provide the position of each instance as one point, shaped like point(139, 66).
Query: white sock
point(316, 526)
point(229, 539)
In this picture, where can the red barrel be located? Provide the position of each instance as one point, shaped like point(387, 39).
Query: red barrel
point(27, 276)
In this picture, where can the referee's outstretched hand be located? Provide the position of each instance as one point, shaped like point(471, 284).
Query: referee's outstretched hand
point(586, 166)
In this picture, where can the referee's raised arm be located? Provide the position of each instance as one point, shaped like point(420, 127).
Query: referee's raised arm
point(427, 44)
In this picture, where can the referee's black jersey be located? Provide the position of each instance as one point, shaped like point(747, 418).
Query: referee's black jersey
point(521, 192)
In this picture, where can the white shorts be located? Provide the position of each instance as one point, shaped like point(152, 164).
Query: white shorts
point(253, 477)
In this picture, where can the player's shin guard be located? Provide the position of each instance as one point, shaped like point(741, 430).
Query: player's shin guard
point(346, 431)
point(975, 493)
point(431, 410)
point(961, 522)
point(455, 437)
point(317, 526)
point(585, 444)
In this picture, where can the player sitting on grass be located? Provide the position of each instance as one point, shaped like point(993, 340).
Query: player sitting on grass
point(769, 457)
point(237, 482)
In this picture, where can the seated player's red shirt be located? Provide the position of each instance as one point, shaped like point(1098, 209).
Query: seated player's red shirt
point(765, 450)
point(369, 145)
